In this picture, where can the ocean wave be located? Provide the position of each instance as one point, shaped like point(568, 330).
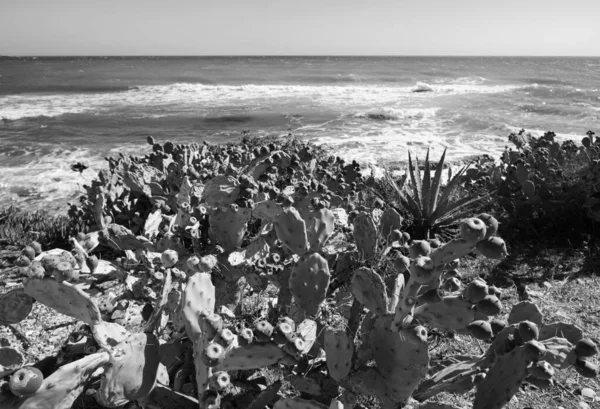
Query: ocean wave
point(396, 114)
point(193, 98)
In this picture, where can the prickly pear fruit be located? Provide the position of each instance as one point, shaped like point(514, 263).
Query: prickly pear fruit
point(28, 252)
point(493, 247)
point(489, 306)
point(133, 371)
point(263, 331)
point(422, 269)
point(36, 270)
point(586, 368)
point(541, 370)
point(476, 291)
point(64, 272)
point(212, 353)
point(15, 306)
point(309, 282)
point(585, 348)
point(365, 235)
point(228, 225)
point(401, 264)
point(319, 227)
point(307, 330)
point(472, 230)
point(491, 224)
point(528, 331)
point(26, 381)
point(390, 221)
point(219, 381)
point(480, 329)
point(528, 188)
point(369, 289)
point(525, 311)
point(291, 230)
point(419, 248)
point(169, 258)
point(339, 350)
point(64, 298)
point(92, 263)
point(37, 247)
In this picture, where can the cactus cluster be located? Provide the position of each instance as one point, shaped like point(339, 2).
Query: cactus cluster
point(347, 298)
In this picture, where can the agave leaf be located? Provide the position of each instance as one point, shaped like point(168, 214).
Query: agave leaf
point(416, 180)
point(405, 199)
point(426, 186)
point(451, 186)
point(458, 209)
point(435, 189)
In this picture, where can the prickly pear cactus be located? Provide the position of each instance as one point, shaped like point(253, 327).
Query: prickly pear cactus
point(228, 225)
point(15, 306)
point(309, 282)
point(291, 230)
point(365, 235)
point(339, 349)
point(319, 227)
point(132, 372)
point(369, 289)
point(64, 298)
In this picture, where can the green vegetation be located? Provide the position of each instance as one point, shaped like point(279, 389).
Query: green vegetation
point(270, 274)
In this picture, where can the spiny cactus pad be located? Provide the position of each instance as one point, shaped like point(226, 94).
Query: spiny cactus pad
point(339, 349)
point(15, 306)
point(309, 282)
point(251, 356)
point(132, 372)
point(291, 230)
point(228, 225)
point(365, 235)
point(369, 289)
point(319, 227)
point(64, 298)
point(452, 313)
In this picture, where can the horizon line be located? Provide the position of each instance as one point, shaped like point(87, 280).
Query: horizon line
point(289, 55)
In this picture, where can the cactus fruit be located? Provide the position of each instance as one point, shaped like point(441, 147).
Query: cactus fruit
point(419, 248)
point(476, 291)
point(402, 358)
point(228, 225)
point(59, 390)
point(263, 331)
point(401, 264)
point(307, 330)
point(472, 230)
point(493, 247)
point(64, 298)
point(26, 381)
point(390, 221)
point(219, 381)
point(291, 230)
point(585, 348)
point(309, 282)
point(491, 224)
point(169, 258)
point(480, 329)
point(490, 305)
point(28, 252)
point(64, 272)
point(452, 313)
point(586, 368)
point(365, 235)
point(339, 350)
point(92, 263)
point(422, 270)
point(368, 288)
point(525, 311)
point(37, 247)
point(528, 331)
point(15, 306)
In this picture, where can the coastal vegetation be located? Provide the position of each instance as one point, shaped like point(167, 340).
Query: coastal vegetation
point(269, 273)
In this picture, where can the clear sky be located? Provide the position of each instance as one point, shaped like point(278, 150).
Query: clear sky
point(300, 27)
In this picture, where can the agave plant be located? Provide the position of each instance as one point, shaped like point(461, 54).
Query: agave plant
point(429, 202)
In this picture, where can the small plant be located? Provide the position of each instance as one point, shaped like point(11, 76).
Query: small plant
point(430, 204)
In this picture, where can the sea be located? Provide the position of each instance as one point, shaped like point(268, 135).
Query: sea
point(58, 111)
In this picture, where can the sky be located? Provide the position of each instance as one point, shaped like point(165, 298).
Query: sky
point(300, 27)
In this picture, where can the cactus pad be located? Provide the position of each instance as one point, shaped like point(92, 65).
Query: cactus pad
point(132, 372)
point(291, 230)
point(228, 225)
point(251, 356)
point(15, 306)
point(365, 235)
point(309, 282)
point(64, 298)
point(319, 227)
point(339, 350)
point(390, 221)
point(369, 289)
point(452, 313)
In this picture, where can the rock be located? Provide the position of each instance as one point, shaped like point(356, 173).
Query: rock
point(588, 393)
